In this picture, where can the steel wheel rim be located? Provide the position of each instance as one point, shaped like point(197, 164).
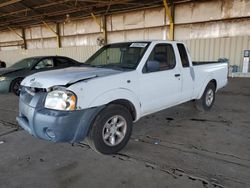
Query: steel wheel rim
point(209, 97)
point(114, 130)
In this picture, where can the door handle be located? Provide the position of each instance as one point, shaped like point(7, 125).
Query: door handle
point(177, 75)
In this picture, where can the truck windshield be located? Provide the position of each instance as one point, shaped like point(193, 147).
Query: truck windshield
point(119, 56)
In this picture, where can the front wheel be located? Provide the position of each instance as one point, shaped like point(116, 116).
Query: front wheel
point(111, 130)
point(15, 86)
point(206, 102)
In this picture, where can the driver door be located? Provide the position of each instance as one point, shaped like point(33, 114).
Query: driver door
point(161, 88)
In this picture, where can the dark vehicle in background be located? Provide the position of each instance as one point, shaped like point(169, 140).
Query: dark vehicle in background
point(11, 77)
point(2, 64)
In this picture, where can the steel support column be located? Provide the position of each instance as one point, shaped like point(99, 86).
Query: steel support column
point(103, 26)
point(57, 33)
point(22, 36)
point(104, 22)
point(58, 36)
point(170, 15)
point(24, 39)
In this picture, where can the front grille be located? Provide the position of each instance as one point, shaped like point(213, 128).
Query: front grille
point(25, 96)
point(34, 90)
point(27, 93)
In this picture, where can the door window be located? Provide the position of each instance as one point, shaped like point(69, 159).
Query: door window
point(164, 56)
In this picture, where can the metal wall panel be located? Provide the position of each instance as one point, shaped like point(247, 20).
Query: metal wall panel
point(137, 19)
point(200, 49)
point(155, 33)
point(154, 17)
point(199, 11)
point(116, 36)
point(214, 48)
point(228, 28)
point(9, 36)
point(80, 53)
point(134, 20)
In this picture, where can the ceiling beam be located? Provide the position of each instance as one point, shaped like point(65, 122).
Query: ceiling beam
point(41, 16)
point(35, 7)
point(107, 2)
point(10, 2)
point(75, 12)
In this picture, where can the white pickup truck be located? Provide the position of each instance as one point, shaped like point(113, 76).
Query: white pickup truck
point(118, 85)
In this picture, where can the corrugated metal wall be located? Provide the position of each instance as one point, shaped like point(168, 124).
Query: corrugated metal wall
point(200, 49)
point(214, 48)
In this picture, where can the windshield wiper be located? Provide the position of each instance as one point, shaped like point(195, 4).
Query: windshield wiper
point(113, 66)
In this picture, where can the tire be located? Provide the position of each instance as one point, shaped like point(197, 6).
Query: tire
point(206, 102)
point(103, 136)
point(15, 86)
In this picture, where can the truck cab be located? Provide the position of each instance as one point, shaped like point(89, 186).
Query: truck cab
point(169, 74)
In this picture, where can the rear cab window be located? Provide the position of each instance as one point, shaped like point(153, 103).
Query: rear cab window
point(183, 55)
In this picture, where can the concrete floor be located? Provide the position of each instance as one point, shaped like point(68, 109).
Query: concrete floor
point(178, 147)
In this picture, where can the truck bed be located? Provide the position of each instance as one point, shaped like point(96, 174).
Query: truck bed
point(195, 63)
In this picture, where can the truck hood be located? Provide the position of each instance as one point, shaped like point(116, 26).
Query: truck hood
point(62, 77)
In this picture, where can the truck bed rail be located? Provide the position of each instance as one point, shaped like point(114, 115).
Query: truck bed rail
point(195, 63)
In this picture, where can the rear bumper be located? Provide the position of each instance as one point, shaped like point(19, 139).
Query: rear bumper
point(53, 125)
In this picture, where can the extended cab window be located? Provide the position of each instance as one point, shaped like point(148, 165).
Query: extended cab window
point(183, 55)
point(163, 55)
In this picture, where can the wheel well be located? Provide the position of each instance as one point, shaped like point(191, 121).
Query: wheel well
point(13, 82)
point(127, 104)
point(214, 82)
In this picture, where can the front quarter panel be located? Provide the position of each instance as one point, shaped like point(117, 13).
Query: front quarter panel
point(117, 94)
point(101, 91)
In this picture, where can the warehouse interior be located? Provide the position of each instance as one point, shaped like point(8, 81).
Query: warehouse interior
point(210, 29)
point(176, 147)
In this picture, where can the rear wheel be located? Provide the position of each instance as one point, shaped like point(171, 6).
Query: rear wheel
point(15, 86)
point(206, 102)
point(111, 130)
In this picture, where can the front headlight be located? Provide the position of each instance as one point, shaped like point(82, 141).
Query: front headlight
point(61, 100)
point(2, 78)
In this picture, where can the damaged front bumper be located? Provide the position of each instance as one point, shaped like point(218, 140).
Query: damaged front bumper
point(53, 125)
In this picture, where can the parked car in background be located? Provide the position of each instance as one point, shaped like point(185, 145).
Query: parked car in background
point(11, 77)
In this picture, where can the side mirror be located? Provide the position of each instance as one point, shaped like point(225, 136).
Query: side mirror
point(152, 66)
